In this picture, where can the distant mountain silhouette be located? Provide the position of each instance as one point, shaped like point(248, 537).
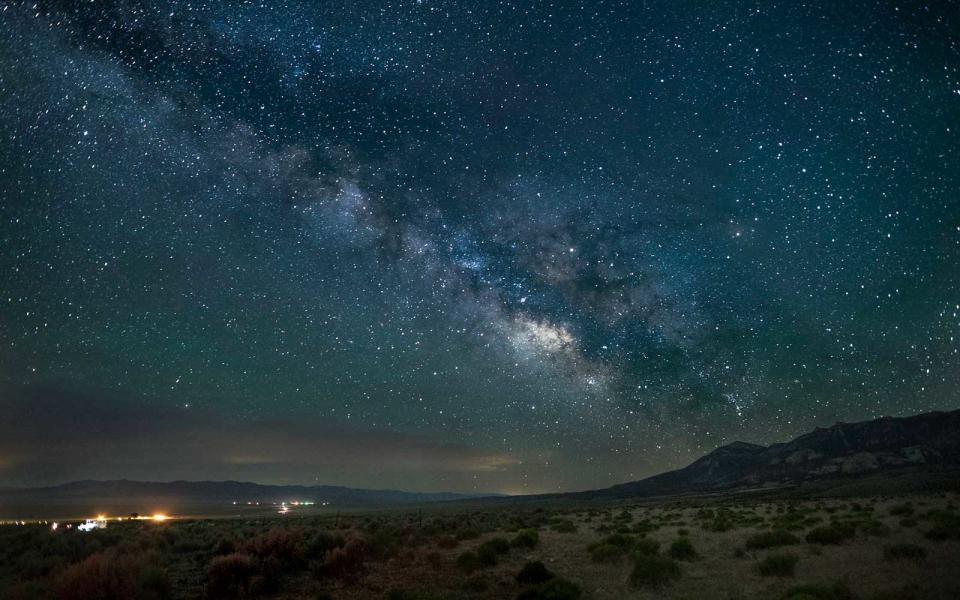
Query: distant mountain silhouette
point(845, 451)
point(908, 447)
point(217, 492)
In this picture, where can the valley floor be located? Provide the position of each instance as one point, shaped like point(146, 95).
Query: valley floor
point(866, 548)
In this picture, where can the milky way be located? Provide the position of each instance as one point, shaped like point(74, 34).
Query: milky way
point(501, 246)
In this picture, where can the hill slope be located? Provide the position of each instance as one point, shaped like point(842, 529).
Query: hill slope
point(843, 451)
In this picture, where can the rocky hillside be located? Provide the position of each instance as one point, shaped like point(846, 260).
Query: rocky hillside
point(843, 450)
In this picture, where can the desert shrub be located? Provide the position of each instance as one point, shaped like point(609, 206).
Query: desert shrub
point(447, 542)
point(618, 539)
point(939, 533)
point(644, 526)
point(653, 570)
point(347, 561)
point(646, 546)
point(908, 522)
point(284, 547)
point(490, 550)
point(25, 590)
point(267, 580)
point(383, 542)
point(778, 565)
point(154, 583)
point(910, 591)
point(224, 546)
point(602, 529)
point(682, 549)
point(323, 542)
point(113, 575)
point(259, 568)
point(534, 572)
point(718, 521)
point(902, 510)
point(487, 556)
point(402, 594)
point(405, 594)
point(554, 589)
point(564, 526)
point(467, 534)
point(526, 538)
point(795, 520)
point(875, 528)
point(229, 576)
point(837, 591)
point(189, 546)
point(719, 525)
point(946, 526)
point(606, 553)
point(771, 539)
point(611, 548)
point(904, 551)
point(468, 562)
point(834, 533)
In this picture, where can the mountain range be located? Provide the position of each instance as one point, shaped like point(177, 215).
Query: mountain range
point(212, 494)
point(916, 449)
point(927, 443)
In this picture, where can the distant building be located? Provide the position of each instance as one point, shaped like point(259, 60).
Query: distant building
point(91, 524)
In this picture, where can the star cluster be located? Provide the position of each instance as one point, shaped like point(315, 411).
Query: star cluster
point(500, 246)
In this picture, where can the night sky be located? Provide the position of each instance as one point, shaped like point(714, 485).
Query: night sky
point(501, 246)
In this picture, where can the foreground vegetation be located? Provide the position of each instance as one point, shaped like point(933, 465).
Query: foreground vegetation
point(832, 549)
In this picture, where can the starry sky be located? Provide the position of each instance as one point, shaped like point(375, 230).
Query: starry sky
point(494, 246)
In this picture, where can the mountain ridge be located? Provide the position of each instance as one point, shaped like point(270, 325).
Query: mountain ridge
point(885, 444)
point(926, 442)
point(227, 491)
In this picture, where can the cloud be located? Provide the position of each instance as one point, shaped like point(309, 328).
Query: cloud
point(51, 433)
